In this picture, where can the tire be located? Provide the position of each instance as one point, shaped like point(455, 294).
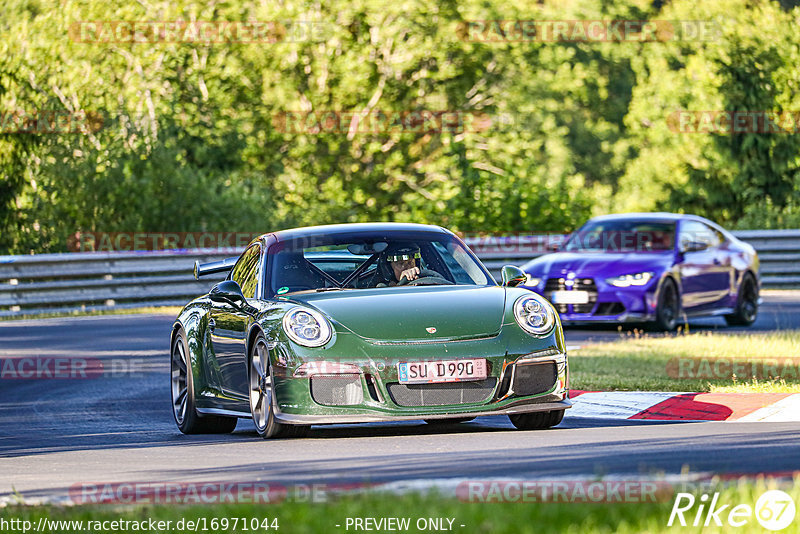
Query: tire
point(261, 395)
point(746, 303)
point(449, 421)
point(668, 307)
point(537, 420)
point(184, 408)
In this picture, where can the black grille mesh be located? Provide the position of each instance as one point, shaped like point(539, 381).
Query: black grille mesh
point(609, 308)
point(337, 390)
point(441, 394)
point(534, 378)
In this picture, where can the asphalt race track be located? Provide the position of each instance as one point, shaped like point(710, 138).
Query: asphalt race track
point(55, 434)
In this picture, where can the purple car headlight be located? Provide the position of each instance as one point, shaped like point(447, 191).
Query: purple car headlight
point(307, 327)
point(628, 280)
point(534, 315)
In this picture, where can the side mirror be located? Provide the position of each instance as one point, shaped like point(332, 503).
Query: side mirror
point(228, 291)
point(693, 246)
point(512, 275)
point(554, 244)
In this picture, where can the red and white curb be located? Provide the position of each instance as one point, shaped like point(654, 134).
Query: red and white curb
point(676, 406)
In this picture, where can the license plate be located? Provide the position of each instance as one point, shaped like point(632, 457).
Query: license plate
point(441, 371)
point(569, 297)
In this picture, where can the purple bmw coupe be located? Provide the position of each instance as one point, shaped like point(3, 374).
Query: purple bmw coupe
point(658, 268)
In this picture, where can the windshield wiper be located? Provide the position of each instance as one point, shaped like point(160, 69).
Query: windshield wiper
point(321, 289)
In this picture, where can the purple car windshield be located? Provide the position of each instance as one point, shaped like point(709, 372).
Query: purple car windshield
point(622, 236)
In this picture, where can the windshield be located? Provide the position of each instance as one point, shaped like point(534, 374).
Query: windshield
point(623, 236)
point(371, 261)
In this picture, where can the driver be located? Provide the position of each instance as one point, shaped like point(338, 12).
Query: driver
point(399, 265)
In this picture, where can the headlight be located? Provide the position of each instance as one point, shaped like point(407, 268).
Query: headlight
point(532, 281)
point(627, 280)
point(306, 327)
point(534, 315)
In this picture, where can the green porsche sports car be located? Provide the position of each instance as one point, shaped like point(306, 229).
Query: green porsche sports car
point(358, 323)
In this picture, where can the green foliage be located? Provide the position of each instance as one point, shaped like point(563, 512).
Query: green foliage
point(750, 65)
point(192, 139)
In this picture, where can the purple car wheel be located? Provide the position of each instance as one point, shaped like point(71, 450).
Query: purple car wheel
point(668, 307)
point(746, 304)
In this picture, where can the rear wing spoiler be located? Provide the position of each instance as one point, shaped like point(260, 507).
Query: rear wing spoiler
point(213, 267)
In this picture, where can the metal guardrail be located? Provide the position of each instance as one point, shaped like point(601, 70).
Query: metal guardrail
point(114, 280)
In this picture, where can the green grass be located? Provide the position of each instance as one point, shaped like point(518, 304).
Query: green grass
point(490, 518)
point(641, 363)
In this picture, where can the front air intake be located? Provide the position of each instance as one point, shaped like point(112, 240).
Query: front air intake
point(534, 378)
point(337, 390)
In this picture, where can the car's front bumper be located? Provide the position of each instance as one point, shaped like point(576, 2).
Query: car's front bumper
point(609, 304)
point(374, 389)
point(346, 418)
point(575, 318)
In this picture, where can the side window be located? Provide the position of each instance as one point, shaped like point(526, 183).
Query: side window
point(245, 272)
point(462, 268)
point(699, 232)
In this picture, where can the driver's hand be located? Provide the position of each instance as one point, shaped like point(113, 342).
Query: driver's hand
point(410, 274)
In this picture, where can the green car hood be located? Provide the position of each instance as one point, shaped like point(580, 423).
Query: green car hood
point(406, 313)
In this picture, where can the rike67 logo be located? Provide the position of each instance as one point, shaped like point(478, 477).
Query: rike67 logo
point(774, 510)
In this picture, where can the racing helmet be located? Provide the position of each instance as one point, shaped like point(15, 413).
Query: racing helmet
point(397, 252)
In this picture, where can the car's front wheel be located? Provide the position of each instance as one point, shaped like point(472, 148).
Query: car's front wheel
point(668, 307)
point(746, 304)
point(261, 392)
point(184, 409)
point(537, 420)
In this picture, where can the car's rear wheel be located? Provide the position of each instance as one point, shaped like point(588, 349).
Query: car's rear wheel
point(184, 409)
point(668, 307)
point(537, 420)
point(746, 304)
point(449, 421)
point(261, 392)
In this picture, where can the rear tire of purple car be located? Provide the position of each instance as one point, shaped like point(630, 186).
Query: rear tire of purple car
point(668, 307)
point(746, 304)
point(537, 420)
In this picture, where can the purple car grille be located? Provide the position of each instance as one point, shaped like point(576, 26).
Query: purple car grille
point(583, 284)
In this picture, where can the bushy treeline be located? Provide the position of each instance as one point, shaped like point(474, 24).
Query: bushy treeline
point(191, 136)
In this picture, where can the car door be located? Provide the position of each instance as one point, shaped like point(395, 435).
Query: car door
point(228, 324)
point(704, 266)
